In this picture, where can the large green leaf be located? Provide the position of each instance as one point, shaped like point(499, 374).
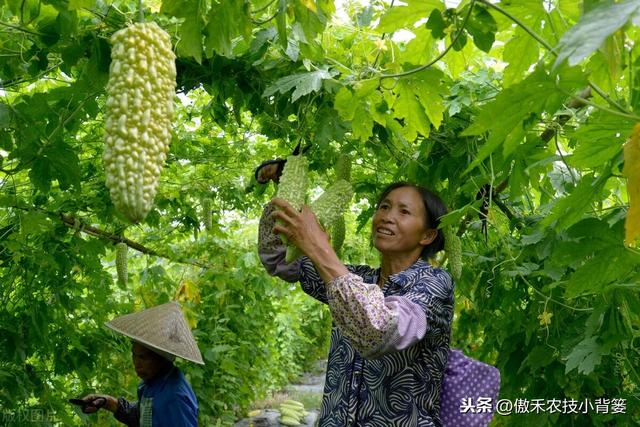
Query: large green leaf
point(570, 209)
point(599, 140)
point(6, 116)
point(398, 17)
point(482, 28)
point(359, 108)
point(228, 19)
point(79, 4)
point(520, 52)
point(585, 356)
point(419, 102)
point(408, 107)
point(190, 32)
point(609, 265)
point(310, 17)
point(594, 27)
point(304, 83)
point(511, 112)
point(530, 12)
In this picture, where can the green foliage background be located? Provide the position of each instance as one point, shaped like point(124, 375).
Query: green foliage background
point(532, 99)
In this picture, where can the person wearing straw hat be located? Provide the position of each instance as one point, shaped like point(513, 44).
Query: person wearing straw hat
point(165, 398)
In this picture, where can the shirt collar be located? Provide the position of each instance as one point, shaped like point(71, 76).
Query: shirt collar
point(160, 378)
point(408, 276)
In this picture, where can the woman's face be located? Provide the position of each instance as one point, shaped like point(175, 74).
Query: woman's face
point(400, 224)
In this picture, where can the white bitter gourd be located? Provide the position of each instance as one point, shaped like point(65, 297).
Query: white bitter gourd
point(139, 110)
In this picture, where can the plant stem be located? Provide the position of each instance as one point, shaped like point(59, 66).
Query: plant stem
point(265, 7)
point(140, 11)
point(606, 97)
point(521, 25)
point(439, 57)
point(601, 107)
point(24, 30)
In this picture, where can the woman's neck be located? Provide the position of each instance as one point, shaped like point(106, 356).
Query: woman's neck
point(392, 265)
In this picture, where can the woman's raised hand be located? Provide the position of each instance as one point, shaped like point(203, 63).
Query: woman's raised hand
point(302, 228)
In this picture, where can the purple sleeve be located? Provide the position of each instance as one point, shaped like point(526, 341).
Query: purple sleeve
point(272, 250)
point(375, 324)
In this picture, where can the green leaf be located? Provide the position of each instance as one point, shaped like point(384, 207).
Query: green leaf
point(436, 24)
point(330, 128)
point(520, 52)
point(585, 356)
point(596, 230)
point(460, 41)
point(420, 49)
point(607, 266)
point(539, 357)
point(309, 17)
point(530, 12)
point(6, 116)
point(570, 9)
point(599, 140)
point(33, 222)
point(304, 83)
point(595, 26)
point(356, 108)
point(419, 102)
point(408, 107)
point(189, 34)
point(79, 4)
point(569, 210)
point(482, 28)
point(64, 165)
point(432, 92)
point(40, 174)
point(454, 217)
point(228, 20)
point(343, 103)
point(398, 17)
point(362, 123)
point(513, 108)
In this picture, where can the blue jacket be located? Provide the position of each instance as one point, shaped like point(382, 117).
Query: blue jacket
point(167, 401)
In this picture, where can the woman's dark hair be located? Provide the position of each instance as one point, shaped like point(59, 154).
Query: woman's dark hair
point(434, 207)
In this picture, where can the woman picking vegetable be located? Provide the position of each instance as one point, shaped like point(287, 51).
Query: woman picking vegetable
point(392, 324)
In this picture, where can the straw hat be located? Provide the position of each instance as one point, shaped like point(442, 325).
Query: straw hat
point(162, 328)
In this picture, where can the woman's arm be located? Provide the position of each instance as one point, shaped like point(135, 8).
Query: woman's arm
point(272, 252)
point(377, 325)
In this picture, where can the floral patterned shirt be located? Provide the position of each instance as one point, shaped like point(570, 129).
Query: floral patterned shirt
point(389, 346)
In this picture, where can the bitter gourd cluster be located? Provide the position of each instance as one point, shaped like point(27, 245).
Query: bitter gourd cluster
point(328, 207)
point(453, 249)
point(292, 413)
